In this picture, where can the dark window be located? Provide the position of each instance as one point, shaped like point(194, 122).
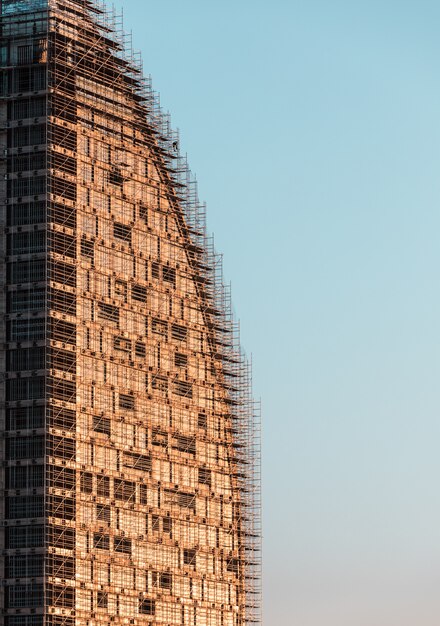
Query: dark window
point(63, 107)
point(185, 444)
point(29, 186)
point(143, 213)
point(160, 383)
point(102, 425)
point(116, 178)
point(204, 476)
point(61, 566)
point(122, 545)
point(26, 300)
point(63, 244)
point(62, 301)
point(38, 78)
point(232, 565)
point(64, 163)
point(63, 360)
point(63, 137)
point(87, 248)
point(25, 359)
point(63, 331)
point(137, 461)
point(27, 271)
point(22, 79)
point(19, 507)
point(26, 329)
point(167, 524)
point(121, 289)
point(143, 494)
point(26, 213)
point(100, 541)
point(155, 270)
point(63, 390)
point(182, 388)
point(27, 243)
point(24, 596)
point(28, 107)
point(63, 418)
point(140, 349)
point(126, 401)
point(86, 482)
point(25, 388)
point(159, 437)
point(139, 293)
point(103, 486)
point(159, 327)
point(120, 343)
point(169, 275)
point(24, 566)
point(63, 447)
point(124, 489)
point(24, 55)
point(189, 557)
point(63, 273)
point(25, 447)
point(62, 537)
point(62, 477)
point(108, 312)
point(202, 421)
point(62, 214)
point(28, 135)
point(179, 332)
point(147, 607)
point(24, 537)
point(28, 620)
point(61, 596)
point(121, 231)
point(180, 360)
point(103, 513)
point(102, 599)
point(186, 500)
point(24, 477)
point(163, 580)
point(22, 418)
point(26, 162)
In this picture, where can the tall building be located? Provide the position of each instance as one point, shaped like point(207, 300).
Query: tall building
point(130, 443)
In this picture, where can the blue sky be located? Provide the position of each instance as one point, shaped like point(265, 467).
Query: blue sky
point(313, 128)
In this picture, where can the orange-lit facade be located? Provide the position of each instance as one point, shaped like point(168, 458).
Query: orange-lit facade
point(130, 474)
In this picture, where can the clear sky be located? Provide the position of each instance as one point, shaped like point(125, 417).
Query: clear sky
point(314, 129)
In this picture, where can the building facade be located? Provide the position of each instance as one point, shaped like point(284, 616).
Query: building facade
point(130, 443)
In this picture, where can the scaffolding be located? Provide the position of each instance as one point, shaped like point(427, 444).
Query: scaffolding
point(131, 440)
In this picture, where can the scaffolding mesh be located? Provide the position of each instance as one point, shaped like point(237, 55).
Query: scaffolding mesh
point(131, 439)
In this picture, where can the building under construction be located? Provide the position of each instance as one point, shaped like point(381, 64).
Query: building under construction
point(130, 442)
